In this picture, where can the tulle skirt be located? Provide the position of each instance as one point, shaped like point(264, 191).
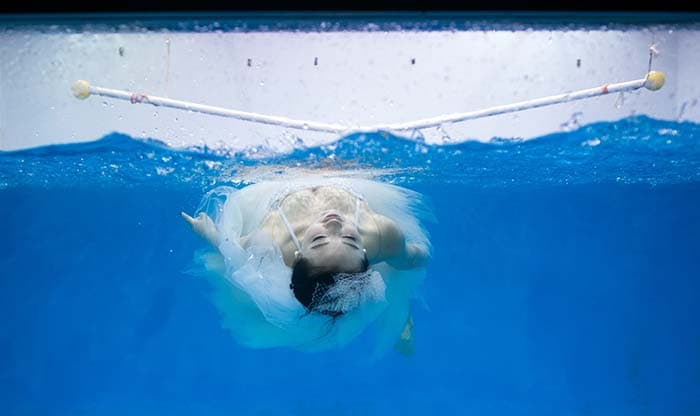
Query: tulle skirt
point(250, 287)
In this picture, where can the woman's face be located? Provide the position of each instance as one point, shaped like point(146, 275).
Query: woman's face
point(333, 241)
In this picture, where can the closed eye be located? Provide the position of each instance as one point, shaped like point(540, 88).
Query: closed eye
point(318, 237)
point(351, 241)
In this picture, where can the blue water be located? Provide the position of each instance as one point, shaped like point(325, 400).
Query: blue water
point(565, 281)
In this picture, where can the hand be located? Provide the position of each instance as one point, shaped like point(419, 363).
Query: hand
point(413, 256)
point(418, 254)
point(203, 226)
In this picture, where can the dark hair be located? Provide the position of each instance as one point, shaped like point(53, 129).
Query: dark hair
point(310, 282)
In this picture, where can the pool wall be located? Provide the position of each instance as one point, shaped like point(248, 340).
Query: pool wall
point(352, 77)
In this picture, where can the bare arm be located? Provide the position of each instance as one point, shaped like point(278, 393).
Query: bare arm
point(393, 248)
point(204, 227)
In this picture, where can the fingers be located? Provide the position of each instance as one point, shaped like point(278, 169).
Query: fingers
point(187, 218)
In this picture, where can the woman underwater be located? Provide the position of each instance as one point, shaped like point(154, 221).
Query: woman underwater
point(312, 262)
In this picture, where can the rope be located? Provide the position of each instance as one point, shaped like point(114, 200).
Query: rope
point(652, 81)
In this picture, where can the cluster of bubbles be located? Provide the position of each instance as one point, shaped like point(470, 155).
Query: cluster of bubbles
point(633, 150)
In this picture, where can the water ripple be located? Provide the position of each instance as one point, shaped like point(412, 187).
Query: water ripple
point(634, 150)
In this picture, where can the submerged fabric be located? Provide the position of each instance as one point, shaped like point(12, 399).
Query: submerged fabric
point(251, 286)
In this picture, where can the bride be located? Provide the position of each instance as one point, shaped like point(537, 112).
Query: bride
point(311, 262)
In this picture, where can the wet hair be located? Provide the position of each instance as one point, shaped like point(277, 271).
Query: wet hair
point(311, 283)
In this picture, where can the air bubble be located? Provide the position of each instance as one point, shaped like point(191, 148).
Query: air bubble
point(443, 134)
point(573, 122)
point(620, 100)
point(592, 142)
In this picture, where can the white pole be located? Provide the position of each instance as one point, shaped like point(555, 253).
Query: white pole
point(653, 81)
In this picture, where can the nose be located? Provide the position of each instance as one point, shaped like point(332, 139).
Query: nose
point(333, 226)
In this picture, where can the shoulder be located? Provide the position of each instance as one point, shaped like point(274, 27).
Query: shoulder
point(389, 239)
